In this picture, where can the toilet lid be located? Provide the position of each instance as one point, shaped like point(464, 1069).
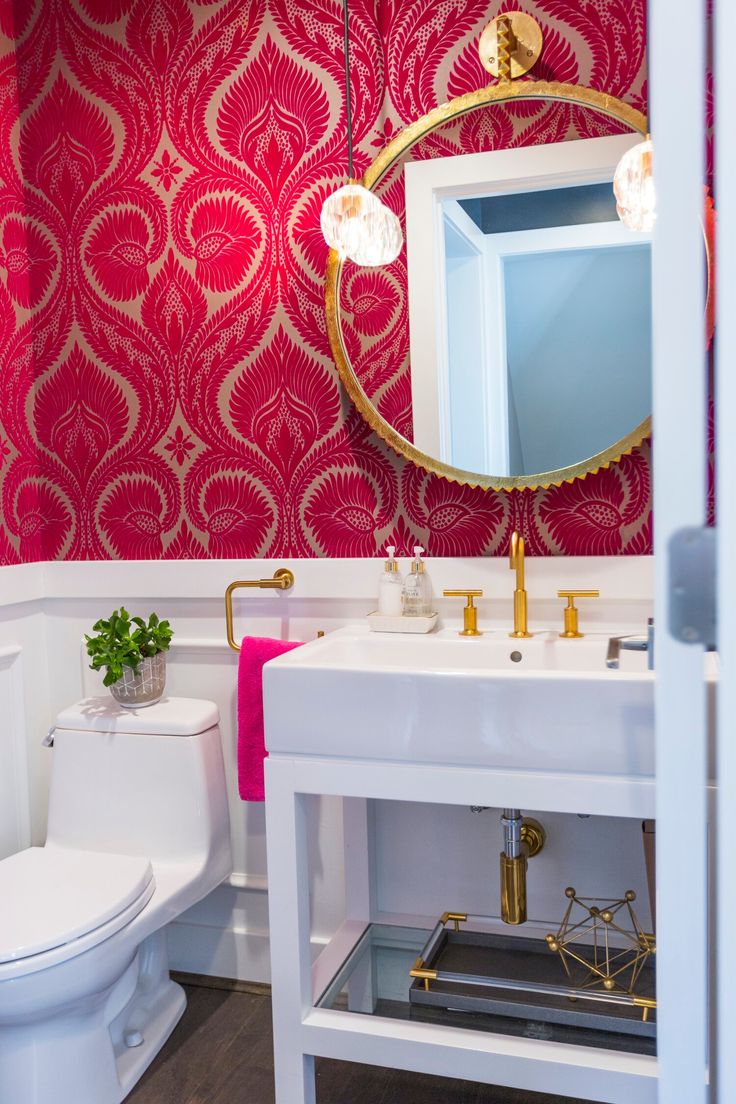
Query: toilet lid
point(50, 896)
point(169, 717)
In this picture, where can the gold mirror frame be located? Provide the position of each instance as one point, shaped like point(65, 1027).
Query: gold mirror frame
point(504, 92)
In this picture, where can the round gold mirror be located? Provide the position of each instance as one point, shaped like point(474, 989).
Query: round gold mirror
point(509, 345)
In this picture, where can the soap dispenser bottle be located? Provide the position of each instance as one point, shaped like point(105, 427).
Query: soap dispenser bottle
point(390, 586)
point(416, 596)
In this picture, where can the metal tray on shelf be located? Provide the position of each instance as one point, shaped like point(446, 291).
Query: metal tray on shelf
point(506, 975)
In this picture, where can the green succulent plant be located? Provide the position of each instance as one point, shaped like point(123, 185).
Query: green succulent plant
point(124, 641)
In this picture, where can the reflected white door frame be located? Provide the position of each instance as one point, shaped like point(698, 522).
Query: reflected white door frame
point(485, 333)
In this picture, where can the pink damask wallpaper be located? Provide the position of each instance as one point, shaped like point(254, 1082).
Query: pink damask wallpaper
point(165, 379)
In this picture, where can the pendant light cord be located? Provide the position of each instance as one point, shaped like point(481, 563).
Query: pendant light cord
point(349, 110)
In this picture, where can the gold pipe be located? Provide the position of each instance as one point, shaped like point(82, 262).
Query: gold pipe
point(513, 889)
point(516, 563)
point(282, 579)
point(513, 871)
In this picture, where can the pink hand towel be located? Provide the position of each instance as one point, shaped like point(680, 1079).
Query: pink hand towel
point(254, 652)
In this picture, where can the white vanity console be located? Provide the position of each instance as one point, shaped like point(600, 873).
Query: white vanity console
point(447, 721)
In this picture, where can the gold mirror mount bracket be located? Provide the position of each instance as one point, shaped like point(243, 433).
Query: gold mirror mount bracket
point(510, 45)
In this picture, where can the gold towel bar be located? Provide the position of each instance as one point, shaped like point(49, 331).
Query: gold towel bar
point(283, 579)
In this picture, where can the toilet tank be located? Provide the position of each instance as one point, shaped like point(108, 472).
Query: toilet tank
point(141, 782)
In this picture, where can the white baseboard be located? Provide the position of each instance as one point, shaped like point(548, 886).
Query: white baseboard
point(219, 952)
point(223, 952)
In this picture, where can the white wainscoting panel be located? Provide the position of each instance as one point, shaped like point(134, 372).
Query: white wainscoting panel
point(227, 934)
point(15, 814)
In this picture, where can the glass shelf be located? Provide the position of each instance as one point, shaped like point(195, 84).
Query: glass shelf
point(374, 980)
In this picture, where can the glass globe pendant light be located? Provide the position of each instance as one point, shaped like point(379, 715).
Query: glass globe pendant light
point(381, 240)
point(633, 186)
point(343, 217)
point(354, 221)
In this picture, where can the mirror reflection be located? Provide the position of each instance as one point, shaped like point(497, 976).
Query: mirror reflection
point(543, 331)
point(511, 338)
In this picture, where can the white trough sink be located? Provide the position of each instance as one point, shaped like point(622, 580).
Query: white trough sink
point(543, 704)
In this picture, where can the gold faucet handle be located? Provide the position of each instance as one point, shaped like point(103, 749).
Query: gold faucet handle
point(470, 612)
point(571, 611)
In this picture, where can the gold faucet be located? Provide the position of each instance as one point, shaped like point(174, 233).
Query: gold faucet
point(470, 612)
point(516, 563)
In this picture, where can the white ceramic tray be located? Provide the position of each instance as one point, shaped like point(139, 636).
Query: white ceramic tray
point(379, 623)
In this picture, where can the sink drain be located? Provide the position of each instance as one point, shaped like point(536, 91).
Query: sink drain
point(516, 657)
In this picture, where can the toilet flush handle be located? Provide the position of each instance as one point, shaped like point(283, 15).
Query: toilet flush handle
point(48, 740)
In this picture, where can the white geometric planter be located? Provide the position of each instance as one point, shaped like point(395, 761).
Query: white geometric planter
point(133, 691)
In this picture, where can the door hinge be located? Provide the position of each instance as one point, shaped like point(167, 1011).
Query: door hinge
point(692, 586)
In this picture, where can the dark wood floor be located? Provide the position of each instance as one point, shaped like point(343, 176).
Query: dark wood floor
point(220, 1053)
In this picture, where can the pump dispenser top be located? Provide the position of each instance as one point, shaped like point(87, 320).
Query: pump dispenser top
point(417, 564)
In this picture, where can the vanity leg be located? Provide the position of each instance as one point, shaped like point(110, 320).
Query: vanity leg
point(648, 829)
point(358, 834)
point(289, 929)
point(361, 988)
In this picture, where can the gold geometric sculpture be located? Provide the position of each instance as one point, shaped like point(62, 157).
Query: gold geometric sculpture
point(584, 937)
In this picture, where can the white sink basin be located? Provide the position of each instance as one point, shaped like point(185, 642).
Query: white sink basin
point(354, 649)
point(537, 704)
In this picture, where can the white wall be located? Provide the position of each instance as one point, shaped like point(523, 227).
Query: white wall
point(570, 295)
point(23, 707)
point(429, 858)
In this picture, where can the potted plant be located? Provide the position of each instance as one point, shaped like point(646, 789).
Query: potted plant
point(132, 653)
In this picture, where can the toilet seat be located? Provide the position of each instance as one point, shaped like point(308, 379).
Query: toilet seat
point(58, 902)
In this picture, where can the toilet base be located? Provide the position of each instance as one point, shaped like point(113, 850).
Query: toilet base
point(95, 1051)
point(162, 1014)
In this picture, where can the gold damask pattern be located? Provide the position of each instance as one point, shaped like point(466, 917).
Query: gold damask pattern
point(168, 389)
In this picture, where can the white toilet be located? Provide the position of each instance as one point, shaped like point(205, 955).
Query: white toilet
point(138, 832)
